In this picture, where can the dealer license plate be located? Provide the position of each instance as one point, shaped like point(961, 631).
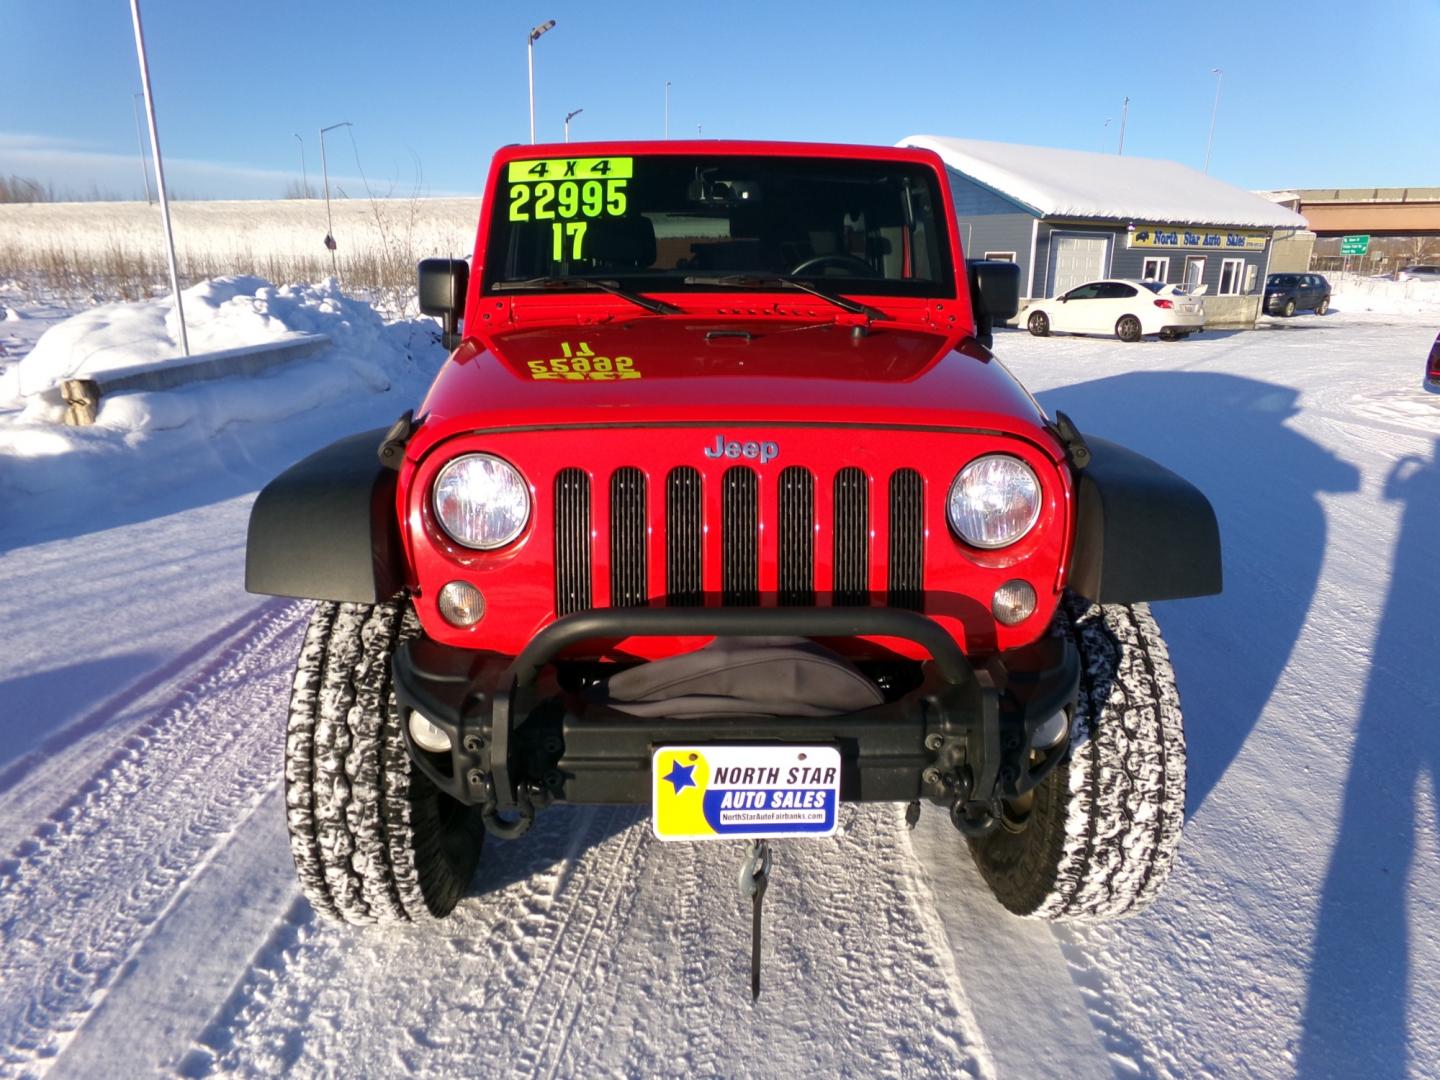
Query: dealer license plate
point(739, 792)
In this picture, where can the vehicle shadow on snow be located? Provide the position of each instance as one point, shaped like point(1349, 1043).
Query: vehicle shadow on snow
point(1355, 1011)
point(54, 709)
point(559, 833)
point(1227, 435)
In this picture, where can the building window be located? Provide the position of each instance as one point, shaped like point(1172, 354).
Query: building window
point(1156, 269)
point(1251, 272)
point(1194, 270)
point(1231, 272)
point(1002, 256)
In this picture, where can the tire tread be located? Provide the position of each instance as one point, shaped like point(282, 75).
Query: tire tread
point(1105, 826)
point(367, 833)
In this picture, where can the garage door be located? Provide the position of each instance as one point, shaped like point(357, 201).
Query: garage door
point(1075, 260)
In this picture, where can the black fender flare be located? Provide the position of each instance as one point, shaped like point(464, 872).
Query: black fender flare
point(325, 528)
point(1141, 531)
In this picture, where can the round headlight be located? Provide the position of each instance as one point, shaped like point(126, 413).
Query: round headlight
point(481, 501)
point(994, 501)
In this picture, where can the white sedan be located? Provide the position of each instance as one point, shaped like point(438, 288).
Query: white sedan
point(1127, 309)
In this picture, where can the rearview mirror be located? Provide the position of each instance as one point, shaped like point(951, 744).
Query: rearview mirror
point(442, 294)
point(994, 294)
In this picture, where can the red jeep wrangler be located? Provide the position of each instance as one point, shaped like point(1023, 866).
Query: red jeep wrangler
point(722, 505)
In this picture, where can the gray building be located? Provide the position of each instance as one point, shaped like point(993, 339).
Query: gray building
point(1068, 217)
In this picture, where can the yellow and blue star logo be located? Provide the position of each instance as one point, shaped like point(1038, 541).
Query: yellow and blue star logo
point(681, 777)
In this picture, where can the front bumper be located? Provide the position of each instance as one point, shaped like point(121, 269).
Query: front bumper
point(962, 738)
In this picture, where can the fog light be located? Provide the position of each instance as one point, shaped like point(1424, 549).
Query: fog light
point(1014, 602)
point(461, 603)
point(1050, 732)
point(427, 736)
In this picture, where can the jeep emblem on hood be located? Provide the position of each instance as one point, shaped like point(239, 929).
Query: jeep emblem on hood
point(729, 448)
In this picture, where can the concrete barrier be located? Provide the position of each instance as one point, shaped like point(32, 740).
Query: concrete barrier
point(82, 396)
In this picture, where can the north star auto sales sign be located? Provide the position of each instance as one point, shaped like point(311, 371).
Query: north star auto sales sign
point(1157, 236)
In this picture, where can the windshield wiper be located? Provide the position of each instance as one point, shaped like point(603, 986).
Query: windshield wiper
point(761, 281)
point(649, 303)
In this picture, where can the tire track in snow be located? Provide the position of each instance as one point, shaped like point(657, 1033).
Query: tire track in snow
point(519, 960)
point(163, 801)
point(234, 634)
point(604, 951)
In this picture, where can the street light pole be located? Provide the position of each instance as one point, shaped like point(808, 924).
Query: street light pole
point(140, 141)
point(530, 60)
point(568, 117)
point(1214, 110)
point(159, 173)
point(304, 174)
point(325, 169)
point(1124, 116)
point(667, 109)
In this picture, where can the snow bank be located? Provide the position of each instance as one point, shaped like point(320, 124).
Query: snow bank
point(1382, 296)
point(141, 439)
point(221, 314)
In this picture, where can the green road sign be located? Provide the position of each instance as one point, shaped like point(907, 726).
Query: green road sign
point(1354, 245)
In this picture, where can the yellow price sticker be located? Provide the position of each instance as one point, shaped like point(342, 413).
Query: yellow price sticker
point(567, 199)
point(600, 168)
point(582, 365)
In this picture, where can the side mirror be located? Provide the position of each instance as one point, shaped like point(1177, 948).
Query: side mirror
point(442, 293)
point(994, 295)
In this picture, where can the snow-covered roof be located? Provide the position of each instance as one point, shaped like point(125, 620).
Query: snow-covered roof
point(1078, 183)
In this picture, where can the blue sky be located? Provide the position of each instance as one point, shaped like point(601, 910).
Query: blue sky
point(1313, 95)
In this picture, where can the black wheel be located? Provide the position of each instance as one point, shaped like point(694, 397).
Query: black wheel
point(373, 840)
point(1323, 306)
point(1098, 836)
point(1127, 328)
point(1288, 309)
point(1038, 324)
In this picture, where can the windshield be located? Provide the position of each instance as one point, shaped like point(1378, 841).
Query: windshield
point(681, 222)
point(1284, 279)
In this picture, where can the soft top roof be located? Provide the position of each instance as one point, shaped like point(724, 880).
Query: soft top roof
point(1078, 183)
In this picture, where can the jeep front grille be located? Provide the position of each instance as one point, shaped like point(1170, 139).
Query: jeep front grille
point(852, 544)
point(629, 586)
point(907, 550)
point(740, 545)
point(747, 510)
point(572, 541)
point(797, 537)
point(684, 552)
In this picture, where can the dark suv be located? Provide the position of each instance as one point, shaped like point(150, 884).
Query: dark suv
point(1287, 293)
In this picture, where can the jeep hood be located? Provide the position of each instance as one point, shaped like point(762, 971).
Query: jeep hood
point(668, 370)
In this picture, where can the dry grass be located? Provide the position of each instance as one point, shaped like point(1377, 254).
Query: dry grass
point(104, 252)
point(120, 273)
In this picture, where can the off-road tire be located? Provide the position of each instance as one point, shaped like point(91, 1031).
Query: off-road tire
point(374, 841)
point(1103, 828)
point(1128, 328)
point(1289, 309)
point(1038, 324)
point(1322, 307)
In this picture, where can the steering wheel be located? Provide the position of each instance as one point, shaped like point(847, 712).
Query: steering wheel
point(842, 259)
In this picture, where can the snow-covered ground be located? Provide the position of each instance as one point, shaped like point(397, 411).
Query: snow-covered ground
point(150, 921)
